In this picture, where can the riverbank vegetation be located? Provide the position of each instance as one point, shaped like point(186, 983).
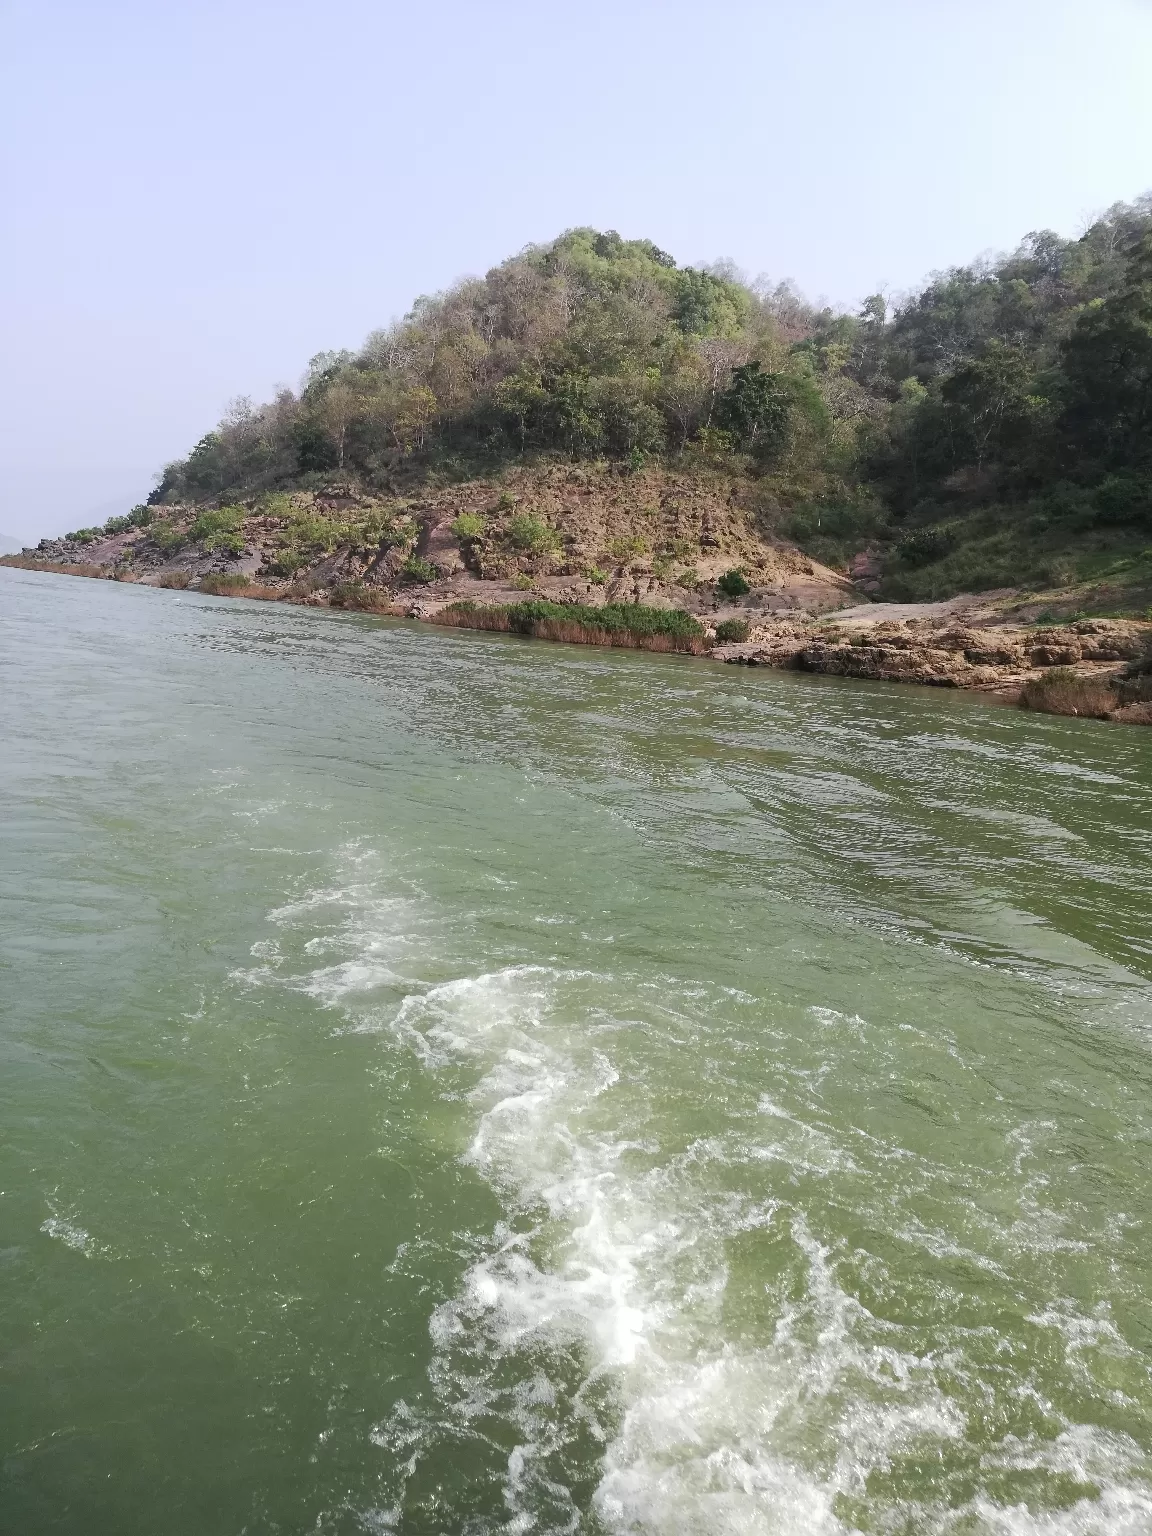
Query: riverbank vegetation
point(630, 625)
point(1063, 691)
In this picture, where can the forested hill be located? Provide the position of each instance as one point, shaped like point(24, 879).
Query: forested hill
point(995, 428)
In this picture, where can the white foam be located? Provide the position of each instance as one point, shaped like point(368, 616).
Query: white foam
point(629, 1268)
point(634, 1279)
point(72, 1235)
point(373, 930)
point(594, 1314)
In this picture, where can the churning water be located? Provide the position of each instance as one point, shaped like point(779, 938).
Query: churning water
point(452, 1084)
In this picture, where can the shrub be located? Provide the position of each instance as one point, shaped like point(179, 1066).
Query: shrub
point(298, 591)
point(1061, 691)
point(84, 535)
point(287, 563)
point(733, 584)
point(177, 579)
point(388, 532)
point(223, 583)
point(596, 576)
point(689, 577)
point(355, 595)
point(57, 567)
point(733, 629)
point(1124, 498)
point(469, 525)
point(207, 524)
point(834, 530)
point(676, 549)
point(321, 535)
point(415, 569)
point(276, 504)
point(225, 543)
point(712, 443)
point(522, 583)
point(117, 525)
point(1136, 679)
point(924, 545)
point(167, 537)
point(140, 516)
point(526, 531)
point(505, 503)
point(1136, 689)
point(627, 547)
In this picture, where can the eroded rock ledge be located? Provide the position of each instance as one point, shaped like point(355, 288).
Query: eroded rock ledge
point(941, 652)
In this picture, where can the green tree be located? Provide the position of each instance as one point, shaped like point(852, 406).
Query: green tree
point(761, 410)
point(756, 409)
point(1108, 363)
point(994, 400)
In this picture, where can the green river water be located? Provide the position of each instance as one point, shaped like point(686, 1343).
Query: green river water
point(457, 1084)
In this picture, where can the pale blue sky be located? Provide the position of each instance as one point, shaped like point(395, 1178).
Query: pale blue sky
point(200, 195)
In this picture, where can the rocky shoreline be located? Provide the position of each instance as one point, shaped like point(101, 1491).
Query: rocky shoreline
point(944, 651)
point(1096, 666)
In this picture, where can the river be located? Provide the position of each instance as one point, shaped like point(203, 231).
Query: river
point(452, 1083)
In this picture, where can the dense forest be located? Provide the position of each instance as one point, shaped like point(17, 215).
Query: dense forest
point(994, 428)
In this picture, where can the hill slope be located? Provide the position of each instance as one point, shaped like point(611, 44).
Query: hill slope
point(579, 532)
point(994, 429)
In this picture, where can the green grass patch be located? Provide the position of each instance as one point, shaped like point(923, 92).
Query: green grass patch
point(623, 624)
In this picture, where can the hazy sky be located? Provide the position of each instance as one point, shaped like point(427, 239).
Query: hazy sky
point(198, 196)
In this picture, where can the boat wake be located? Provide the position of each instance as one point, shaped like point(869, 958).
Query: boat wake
point(665, 1332)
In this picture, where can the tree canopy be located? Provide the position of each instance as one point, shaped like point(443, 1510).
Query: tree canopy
point(996, 383)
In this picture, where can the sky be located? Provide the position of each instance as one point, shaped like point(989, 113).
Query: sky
point(198, 196)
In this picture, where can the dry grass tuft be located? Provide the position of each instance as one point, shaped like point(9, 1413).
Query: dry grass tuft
point(568, 631)
point(360, 598)
point(55, 567)
point(1064, 692)
point(225, 584)
point(176, 579)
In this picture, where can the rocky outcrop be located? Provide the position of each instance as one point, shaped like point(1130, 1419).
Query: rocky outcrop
point(867, 570)
point(941, 653)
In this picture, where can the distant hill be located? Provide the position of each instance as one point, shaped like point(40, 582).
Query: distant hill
point(10, 546)
point(994, 429)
